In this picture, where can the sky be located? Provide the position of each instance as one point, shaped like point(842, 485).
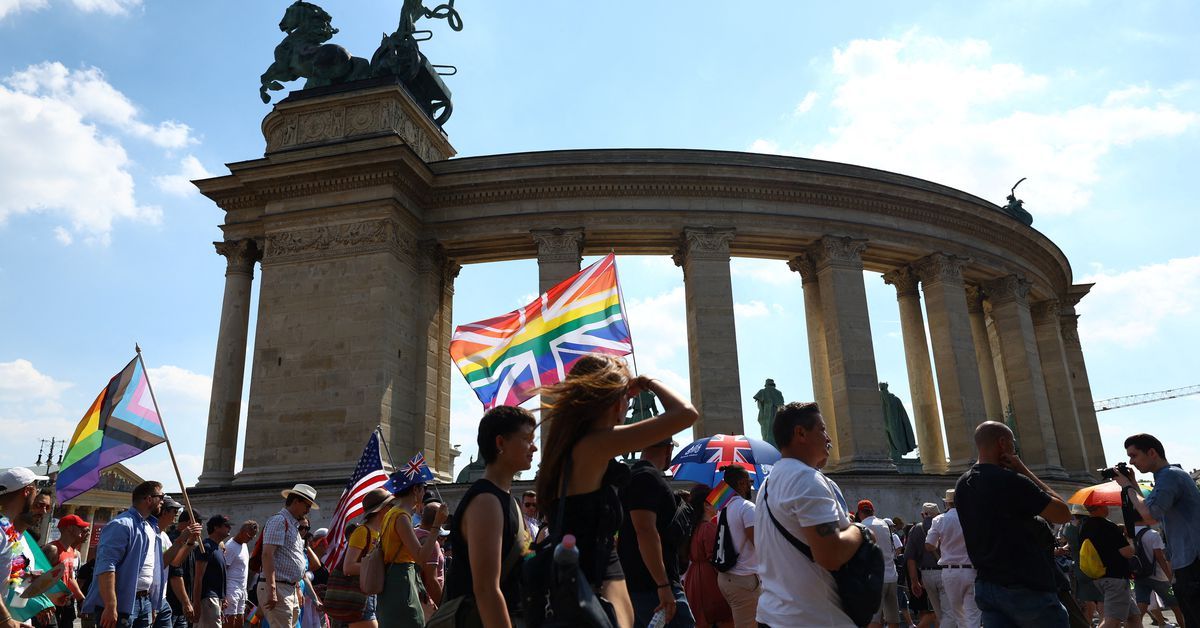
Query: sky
point(109, 107)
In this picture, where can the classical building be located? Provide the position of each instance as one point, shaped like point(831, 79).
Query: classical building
point(357, 221)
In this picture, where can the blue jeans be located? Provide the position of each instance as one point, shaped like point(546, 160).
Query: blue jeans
point(139, 618)
point(1017, 607)
point(644, 603)
point(165, 618)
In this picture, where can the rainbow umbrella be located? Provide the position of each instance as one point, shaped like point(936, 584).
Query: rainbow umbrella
point(1106, 494)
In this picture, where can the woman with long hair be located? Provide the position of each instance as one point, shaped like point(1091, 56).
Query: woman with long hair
point(399, 605)
point(375, 506)
point(700, 580)
point(583, 429)
point(506, 446)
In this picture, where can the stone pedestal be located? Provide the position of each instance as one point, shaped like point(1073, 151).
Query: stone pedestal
point(818, 353)
point(862, 441)
point(1023, 376)
point(953, 354)
point(225, 403)
point(712, 337)
point(920, 372)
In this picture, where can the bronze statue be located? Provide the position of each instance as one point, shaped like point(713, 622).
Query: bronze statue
point(399, 55)
point(303, 52)
point(769, 401)
point(1016, 207)
point(901, 439)
point(643, 408)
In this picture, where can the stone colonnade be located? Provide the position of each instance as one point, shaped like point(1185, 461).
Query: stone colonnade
point(994, 355)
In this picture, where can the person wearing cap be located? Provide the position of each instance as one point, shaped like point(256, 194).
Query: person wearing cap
point(649, 540)
point(283, 556)
point(362, 540)
point(999, 502)
point(924, 574)
point(889, 609)
point(208, 585)
point(127, 585)
point(72, 530)
point(172, 555)
point(18, 489)
point(740, 585)
point(237, 564)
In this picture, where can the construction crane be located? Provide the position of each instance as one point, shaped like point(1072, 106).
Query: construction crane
point(1137, 400)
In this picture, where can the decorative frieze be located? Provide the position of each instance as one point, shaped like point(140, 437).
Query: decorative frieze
point(559, 245)
point(904, 279)
point(357, 238)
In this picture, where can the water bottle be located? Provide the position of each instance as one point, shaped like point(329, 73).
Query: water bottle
point(659, 619)
point(566, 554)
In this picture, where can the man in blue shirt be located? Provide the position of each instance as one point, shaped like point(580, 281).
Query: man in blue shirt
point(127, 587)
point(1174, 501)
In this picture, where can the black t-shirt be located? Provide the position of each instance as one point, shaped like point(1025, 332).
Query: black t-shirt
point(1108, 540)
point(997, 508)
point(213, 584)
point(185, 570)
point(647, 490)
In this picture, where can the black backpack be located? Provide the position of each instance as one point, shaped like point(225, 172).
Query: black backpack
point(724, 555)
point(1141, 565)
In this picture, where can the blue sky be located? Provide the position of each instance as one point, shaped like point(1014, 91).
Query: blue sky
point(108, 107)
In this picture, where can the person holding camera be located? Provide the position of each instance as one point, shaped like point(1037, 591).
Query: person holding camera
point(1175, 502)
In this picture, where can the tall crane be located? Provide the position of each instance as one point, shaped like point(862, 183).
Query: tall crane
point(1137, 400)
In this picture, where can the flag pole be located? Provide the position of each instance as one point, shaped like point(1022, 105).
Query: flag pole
point(170, 450)
point(388, 451)
point(624, 314)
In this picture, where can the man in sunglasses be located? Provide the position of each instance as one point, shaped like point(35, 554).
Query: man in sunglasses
point(128, 587)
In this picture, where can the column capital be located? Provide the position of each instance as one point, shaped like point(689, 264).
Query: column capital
point(1069, 327)
point(803, 264)
point(559, 245)
point(1045, 311)
point(1008, 288)
point(905, 279)
point(842, 251)
point(707, 243)
point(974, 299)
point(940, 267)
point(240, 255)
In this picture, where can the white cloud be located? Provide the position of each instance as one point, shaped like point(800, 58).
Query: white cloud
point(180, 184)
point(16, 6)
point(111, 7)
point(1128, 308)
point(31, 408)
point(19, 380)
point(806, 104)
point(63, 236)
point(753, 309)
point(768, 147)
point(659, 331)
point(175, 381)
point(55, 160)
point(948, 111)
point(772, 272)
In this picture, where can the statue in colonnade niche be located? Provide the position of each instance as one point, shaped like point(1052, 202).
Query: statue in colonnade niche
point(901, 439)
point(769, 400)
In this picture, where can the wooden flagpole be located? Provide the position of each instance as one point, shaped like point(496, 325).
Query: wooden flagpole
point(624, 314)
point(170, 450)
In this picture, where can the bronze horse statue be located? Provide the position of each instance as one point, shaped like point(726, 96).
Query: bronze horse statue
point(303, 53)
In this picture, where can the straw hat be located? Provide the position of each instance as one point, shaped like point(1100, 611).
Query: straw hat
point(305, 491)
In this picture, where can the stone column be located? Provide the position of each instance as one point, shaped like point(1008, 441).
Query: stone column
point(920, 374)
point(818, 354)
point(225, 404)
point(437, 274)
point(1023, 376)
point(992, 405)
point(712, 339)
point(560, 252)
point(862, 440)
point(1046, 326)
point(1084, 404)
point(953, 354)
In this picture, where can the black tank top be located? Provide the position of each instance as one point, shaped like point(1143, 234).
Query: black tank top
point(594, 518)
point(458, 578)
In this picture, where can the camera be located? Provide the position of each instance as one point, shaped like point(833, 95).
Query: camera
point(1111, 472)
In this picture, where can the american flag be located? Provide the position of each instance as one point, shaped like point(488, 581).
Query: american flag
point(369, 474)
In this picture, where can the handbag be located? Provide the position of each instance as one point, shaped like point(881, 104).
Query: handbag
point(859, 581)
point(344, 599)
point(558, 597)
point(373, 572)
point(462, 612)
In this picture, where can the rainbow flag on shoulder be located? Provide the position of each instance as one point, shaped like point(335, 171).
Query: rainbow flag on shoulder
point(506, 358)
point(121, 423)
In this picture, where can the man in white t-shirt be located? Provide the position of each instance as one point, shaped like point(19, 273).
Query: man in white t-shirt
point(237, 568)
point(945, 537)
point(889, 610)
point(1159, 582)
point(797, 591)
point(741, 585)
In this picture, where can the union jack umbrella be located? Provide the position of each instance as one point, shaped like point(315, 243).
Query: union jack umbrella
point(702, 460)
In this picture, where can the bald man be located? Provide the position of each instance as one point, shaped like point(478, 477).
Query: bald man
point(999, 503)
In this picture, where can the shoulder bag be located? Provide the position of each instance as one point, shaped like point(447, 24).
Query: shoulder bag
point(344, 599)
point(373, 572)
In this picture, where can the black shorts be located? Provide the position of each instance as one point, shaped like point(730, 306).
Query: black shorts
point(918, 604)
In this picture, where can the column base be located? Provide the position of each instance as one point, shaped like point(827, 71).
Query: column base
point(1085, 476)
point(313, 474)
point(1050, 472)
point(959, 467)
point(865, 464)
point(214, 479)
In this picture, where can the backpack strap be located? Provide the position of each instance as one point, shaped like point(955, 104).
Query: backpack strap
point(796, 543)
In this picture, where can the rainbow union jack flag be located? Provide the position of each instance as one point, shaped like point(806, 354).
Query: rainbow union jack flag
point(506, 358)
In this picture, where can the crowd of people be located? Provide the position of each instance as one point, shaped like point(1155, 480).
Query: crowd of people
point(601, 543)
